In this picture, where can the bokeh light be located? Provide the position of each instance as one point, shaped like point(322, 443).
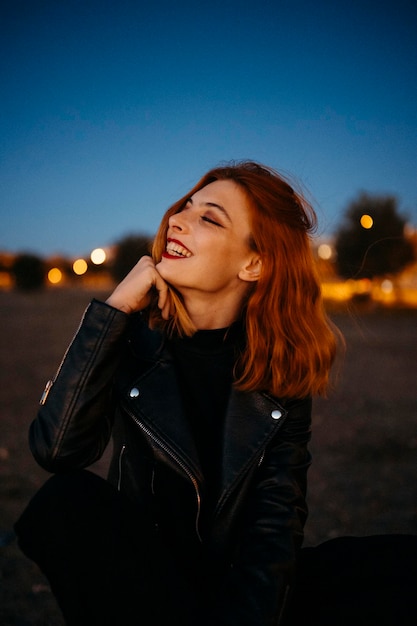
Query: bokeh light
point(387, 286)
point(325, 251)
point(98, 256)
point(367, 221)
point(54, 275)
point(80, 267)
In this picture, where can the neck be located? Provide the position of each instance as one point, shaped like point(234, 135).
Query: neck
point(207, 314)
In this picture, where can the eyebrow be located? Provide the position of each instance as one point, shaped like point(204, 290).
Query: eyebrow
point(214, 205)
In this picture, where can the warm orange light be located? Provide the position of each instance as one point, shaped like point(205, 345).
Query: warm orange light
point(54, 275)
point(387, 286)
point(367, 221)
point(80, 267)
point(98, 256)
point(325, 251)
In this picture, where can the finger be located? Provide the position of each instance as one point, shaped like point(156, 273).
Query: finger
point(166, 309)
point(164, 301)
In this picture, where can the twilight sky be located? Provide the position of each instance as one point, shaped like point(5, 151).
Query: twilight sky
point(112, 109)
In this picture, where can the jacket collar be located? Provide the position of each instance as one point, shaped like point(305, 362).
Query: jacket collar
point(252, 418)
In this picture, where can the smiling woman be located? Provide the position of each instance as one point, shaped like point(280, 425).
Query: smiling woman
point(201, 365)
point(212, 237)
point(254, 207)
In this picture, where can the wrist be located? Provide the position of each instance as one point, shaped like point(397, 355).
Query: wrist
point(117, 304)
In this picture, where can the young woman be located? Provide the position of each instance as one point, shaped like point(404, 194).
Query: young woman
point(202, 365)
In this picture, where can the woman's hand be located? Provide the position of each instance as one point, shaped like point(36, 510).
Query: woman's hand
point(134, 292)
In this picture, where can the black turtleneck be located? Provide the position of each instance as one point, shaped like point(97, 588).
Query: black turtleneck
point(204, 364)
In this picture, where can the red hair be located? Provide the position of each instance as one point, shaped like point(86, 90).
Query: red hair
point(290, 343)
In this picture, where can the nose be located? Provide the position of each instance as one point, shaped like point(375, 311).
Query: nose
point(177, 222)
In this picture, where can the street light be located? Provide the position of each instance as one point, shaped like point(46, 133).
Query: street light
point(54, 275)
point(366, 221)
point(98, 256)
point(80, 267)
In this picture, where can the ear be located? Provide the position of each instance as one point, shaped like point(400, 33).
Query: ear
point(252, 270)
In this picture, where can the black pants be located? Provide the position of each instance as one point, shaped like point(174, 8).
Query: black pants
point(357, 581)
point(105, 569)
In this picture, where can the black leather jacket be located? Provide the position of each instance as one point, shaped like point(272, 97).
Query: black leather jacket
point(117, 377)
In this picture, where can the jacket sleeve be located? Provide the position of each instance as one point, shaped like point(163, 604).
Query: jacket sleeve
point(257, 587)
point(74, 421)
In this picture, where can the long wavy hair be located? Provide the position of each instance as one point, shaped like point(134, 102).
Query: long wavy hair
point(290, 343)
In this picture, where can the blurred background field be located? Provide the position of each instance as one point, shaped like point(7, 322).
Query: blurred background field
point(364, 445)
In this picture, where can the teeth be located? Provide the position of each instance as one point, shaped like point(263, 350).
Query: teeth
point(176, 249)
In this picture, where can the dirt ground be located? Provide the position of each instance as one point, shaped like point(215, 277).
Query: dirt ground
point(364, 446)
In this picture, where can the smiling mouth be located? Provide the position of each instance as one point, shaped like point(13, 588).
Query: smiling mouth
point(177, 250)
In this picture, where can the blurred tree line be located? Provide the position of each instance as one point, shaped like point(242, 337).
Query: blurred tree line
point(30, 271)
point(370, 242)
point(128, 251)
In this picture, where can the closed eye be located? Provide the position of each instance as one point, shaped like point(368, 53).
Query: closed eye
point(211, 221)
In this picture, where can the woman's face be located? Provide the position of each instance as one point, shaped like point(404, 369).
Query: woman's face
point(207, 250)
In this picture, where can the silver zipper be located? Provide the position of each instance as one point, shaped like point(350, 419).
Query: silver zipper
point(284, 604)
point(221, 502)
point(51, 382)
point(153, 481)
point(119, 480)
point(179, 462)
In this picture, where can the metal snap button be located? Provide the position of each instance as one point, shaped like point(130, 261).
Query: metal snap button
point(134, 392)
point(276, 414)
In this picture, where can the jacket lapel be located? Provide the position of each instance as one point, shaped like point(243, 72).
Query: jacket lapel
point(155, 401)
point(251, 421)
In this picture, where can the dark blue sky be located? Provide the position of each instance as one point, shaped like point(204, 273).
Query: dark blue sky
point(111, 110)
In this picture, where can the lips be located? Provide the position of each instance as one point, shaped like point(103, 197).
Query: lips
point(175, 250)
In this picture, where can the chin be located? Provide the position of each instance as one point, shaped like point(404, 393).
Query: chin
point(164, 270)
